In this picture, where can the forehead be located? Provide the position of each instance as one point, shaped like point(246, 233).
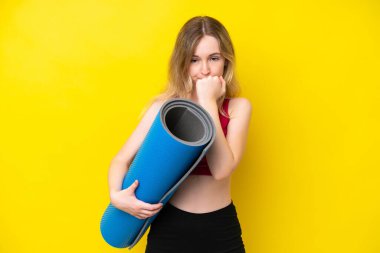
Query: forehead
point(206, 46)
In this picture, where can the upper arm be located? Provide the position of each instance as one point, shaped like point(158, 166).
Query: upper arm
point(237, 133)
point(132, 145)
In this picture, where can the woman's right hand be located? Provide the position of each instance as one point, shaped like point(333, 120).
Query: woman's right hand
point(126, 201)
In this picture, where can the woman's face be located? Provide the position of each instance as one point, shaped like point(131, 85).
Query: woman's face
point(207, 60)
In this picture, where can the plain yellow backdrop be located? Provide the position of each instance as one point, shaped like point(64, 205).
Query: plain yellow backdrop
point(75, 76)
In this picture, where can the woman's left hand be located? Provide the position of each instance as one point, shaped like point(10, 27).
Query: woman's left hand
point(210, 88)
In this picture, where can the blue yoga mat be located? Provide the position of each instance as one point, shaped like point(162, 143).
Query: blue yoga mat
point(179, 137)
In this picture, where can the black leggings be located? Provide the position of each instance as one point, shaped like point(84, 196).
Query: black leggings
point(175, 230)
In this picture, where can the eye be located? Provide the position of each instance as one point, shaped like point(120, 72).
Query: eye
point(215, 58)
point(193, 60)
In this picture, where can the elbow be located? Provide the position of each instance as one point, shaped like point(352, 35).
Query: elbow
point(223, 174)
point(220, 177)
point(119, 160)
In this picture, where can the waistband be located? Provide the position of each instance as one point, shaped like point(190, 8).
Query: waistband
point(227, 210)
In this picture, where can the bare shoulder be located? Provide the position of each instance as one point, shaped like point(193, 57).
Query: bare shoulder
point(156, 105)
point(152, 110)
point(239, 106)
point(134, 141)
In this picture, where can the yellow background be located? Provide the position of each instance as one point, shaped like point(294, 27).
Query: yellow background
point(75, 76)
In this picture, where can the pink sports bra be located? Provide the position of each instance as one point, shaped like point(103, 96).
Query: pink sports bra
point(202, 167)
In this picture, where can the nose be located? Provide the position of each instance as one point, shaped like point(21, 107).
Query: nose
point(205, 69)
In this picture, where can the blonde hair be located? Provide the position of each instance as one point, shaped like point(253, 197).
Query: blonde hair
point(179, 83)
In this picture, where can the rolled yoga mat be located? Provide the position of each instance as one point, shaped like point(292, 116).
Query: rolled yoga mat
point(179, 137)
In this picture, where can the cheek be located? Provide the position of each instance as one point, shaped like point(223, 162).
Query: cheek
point(218, 68)
point(192, 71)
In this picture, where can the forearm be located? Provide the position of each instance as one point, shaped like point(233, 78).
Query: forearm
point(219, 157)
point(116, 175)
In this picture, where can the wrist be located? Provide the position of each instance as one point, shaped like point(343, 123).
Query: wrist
point(207, 102)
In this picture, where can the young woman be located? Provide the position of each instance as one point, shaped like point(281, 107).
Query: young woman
point(200, 217)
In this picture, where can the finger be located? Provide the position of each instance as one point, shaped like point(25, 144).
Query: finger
point(158, 209)
point(150, 207)
point(133, 186)
point(222, 80)
point(157, 206)
point(223, 83)
point(148, 213)
point(141, 215)
point(145, 213)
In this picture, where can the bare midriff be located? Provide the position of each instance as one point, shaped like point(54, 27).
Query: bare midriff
point(202, 194)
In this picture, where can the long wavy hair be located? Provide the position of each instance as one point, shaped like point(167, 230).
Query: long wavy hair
point(179, 83)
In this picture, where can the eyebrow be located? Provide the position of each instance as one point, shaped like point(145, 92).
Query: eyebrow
point(209, 55)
